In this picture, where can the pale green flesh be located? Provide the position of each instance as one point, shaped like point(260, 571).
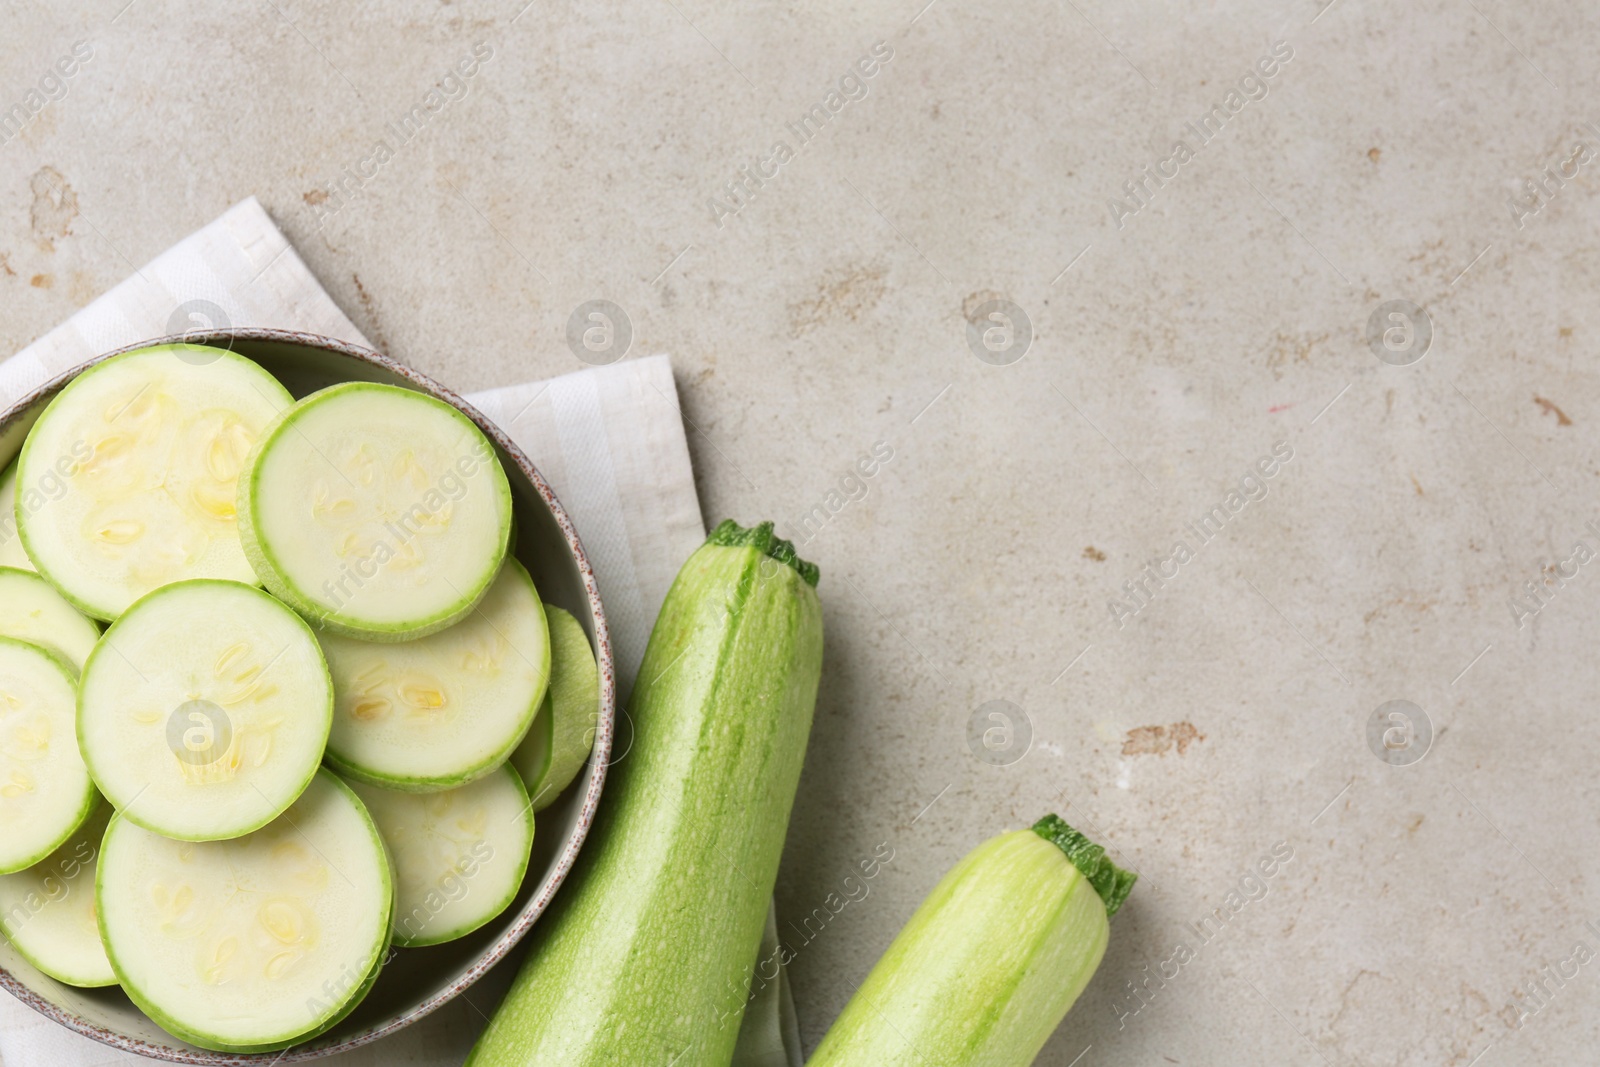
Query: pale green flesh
point(321, 1028)
point(560, 739)
point(252, 943)
point(644, 954)
point(375, 511)
point(47, 911)
point(309, 1035)
point(31, 610)
point(128, 481)
point(12, 554)
point(204, 710)
point(459, 855)
point(984, 971)
point(440, 711)
point(45, 790)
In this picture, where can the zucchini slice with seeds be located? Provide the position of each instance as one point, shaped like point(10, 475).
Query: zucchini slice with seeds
point(204, 710)
point(443, 710)
point(45, 790)
point(47, 911)
point(375, 511)
point(459, 856)
point(12, 554)
point(31, 610)
point(255, 943)
point(128, 481)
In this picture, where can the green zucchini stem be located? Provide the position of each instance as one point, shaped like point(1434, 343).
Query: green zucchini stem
point(760, 537)
point(1110, 881)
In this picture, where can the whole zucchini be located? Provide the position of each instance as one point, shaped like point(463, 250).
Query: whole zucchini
point(990, 962)
point(646, 953)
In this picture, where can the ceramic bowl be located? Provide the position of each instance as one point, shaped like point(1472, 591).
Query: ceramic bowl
point(416, 981)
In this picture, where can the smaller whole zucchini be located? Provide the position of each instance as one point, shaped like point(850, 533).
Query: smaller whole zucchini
point(988, 966)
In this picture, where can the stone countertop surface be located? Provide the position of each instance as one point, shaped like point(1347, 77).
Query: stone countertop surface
point(1069, 279)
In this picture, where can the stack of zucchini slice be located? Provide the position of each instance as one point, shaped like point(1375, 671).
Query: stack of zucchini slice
point(325, 706)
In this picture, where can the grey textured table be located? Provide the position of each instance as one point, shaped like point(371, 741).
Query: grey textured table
point(1179, 315)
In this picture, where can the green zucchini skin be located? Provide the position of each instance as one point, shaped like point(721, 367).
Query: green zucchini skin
point(990, 962)
point(644, 955)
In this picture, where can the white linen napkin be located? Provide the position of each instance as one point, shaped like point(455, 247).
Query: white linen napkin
point(609, 440)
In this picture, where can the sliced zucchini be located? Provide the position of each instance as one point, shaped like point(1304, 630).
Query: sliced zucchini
point(47, 911)
point(204, 710)
point(440, 711)
point(376, 512)
point(254, 943)
point(31, 610)
point(459, 856)
point(129, 477)
point(559, 741)
point(45, 791)
point(12, 554)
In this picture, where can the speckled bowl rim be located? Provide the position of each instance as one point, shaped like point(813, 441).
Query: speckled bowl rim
point(602, 743)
